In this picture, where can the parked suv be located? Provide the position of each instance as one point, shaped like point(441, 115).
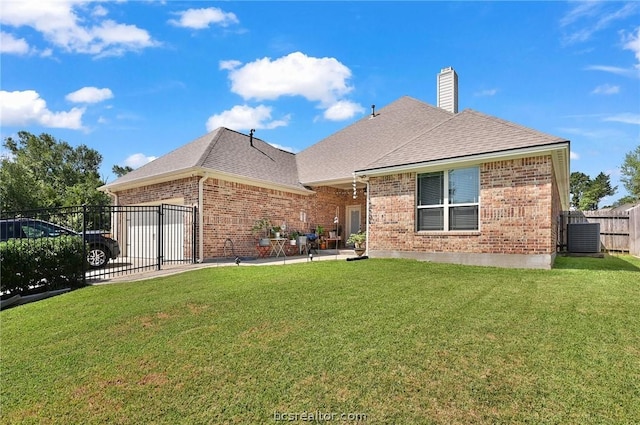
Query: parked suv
point(101, 248)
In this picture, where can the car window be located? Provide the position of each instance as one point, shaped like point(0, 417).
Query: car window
point(32, 231)
point(37, 229)
point(7, 230)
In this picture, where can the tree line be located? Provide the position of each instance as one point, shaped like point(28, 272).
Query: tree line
point(40, 172)
point(586, 192)
point(43, 172)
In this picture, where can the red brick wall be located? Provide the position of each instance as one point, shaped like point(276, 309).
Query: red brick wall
point(186, 188)
point(230, 209)
point(517, 207)
point(556, 212)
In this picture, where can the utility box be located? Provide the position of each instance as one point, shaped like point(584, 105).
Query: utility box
point(583, 237)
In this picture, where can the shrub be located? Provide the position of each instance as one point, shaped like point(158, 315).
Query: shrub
point(37, 265)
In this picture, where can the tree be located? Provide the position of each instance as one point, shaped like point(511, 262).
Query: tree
point(578, 184)
point(598, 189)
point(40, 171)
point(121, 171)
point(586, 193)
point(630, 171)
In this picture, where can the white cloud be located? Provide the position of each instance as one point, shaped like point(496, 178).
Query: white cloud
point(574, 155)
point(138, 160)
point(488, 92)
point(606, 89)
point(11, 45)
point(284, 148)
point(21, 108)
point(62, 24)
point(243, 117)
point(89, 95)
point(599, 133)
point(99, 11)
point(632, 43)
point(202, 18)
point(342, 110)
point(229, 64)
point(316, 79)
point(580, 10)
point(587, 18)
point(625, 72)
point(629, 42)
point(627, 118)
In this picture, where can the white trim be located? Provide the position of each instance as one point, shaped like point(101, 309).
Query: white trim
point(201, 217)
point(446, 205)
point(366, 224)
point(201, 172)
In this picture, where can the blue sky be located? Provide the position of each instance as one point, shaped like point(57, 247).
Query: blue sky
point(137, 79)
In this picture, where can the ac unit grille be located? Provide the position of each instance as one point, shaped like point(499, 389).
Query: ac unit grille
point(583, 237)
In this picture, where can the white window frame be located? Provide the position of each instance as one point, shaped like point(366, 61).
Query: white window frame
point(445, 206)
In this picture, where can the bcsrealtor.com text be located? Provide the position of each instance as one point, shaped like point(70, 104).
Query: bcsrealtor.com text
point(318, 416)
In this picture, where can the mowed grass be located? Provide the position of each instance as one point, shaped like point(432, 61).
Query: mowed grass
point(393, 341)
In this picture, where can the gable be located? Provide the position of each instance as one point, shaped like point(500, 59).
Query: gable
point(336, 157)
point(226, 153)
point(465, 134)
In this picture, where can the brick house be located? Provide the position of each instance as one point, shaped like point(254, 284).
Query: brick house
point(425, 182)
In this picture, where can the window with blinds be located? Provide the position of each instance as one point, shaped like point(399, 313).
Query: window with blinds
point(449, 200)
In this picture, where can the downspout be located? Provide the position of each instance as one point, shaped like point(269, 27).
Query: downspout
point(115, 229)
point(201, 218)
point(367, 217)
point(114, 196)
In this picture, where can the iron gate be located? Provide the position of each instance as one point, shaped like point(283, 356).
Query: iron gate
point(131, 238)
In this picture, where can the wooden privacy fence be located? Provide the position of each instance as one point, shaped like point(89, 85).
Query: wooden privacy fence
point(619, 230)
point(634, 231)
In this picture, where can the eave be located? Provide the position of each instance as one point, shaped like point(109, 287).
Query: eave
point(559, 153)
point(202, 172)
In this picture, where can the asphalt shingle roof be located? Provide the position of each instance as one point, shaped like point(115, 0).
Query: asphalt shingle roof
point(404, 132)
point(467, 133)
point(226, 151)
point(339, 155)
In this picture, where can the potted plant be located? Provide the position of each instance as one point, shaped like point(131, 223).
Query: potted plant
point(319, 233)
point(293, 237)
point(276, 231)
point(262, 226)
point(358, 240)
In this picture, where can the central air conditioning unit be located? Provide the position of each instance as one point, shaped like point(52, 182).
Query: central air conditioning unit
point(583, 237)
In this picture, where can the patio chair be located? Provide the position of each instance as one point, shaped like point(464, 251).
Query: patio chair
point(312, 242)
point(302, 245)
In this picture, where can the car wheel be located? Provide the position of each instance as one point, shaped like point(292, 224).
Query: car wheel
point(97, 257)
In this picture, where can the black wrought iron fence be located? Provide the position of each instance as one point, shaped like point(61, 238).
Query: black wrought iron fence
point(119, 240)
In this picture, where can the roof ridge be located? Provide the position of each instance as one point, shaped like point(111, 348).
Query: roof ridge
point(417, 135)
point(363, 118)
point(210, 146)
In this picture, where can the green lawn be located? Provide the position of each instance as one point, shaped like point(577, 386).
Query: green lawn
point(396, 341)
